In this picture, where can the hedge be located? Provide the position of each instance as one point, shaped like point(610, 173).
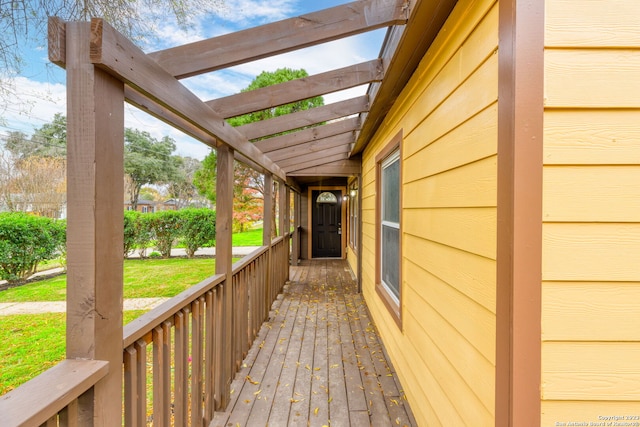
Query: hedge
point(26, 240)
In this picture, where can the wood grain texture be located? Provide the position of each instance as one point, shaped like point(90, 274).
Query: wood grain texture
point(280, 37)
point(317, 358)
point(457, 365)
point(314, 146)
point(298, 89)
point(592, 193)
point(591, 252)
point(305, 118)
point(474, 139)
point(590, 411)
point(453, 226)
point(477, 280)
point(591, 311)
point(114, 53)
point(36, 401)
point(591, 371)
point(592, 78)
point(472, 185)
point(318, 161)
point(599, 136)
point(308, 135)
point(337, 168)
point(597, 23)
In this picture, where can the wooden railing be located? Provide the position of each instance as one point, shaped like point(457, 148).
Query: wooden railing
point(176, 367)
point(54, 397)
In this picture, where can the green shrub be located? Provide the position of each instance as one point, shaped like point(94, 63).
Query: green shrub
point(130, 232)
point(25, 240)
point(197, 228)
point(144, 233)
point(165, 226)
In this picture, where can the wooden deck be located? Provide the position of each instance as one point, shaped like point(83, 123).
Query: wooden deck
point(318, 361)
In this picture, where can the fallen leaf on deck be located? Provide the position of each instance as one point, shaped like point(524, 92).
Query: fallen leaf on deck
point(251, 380)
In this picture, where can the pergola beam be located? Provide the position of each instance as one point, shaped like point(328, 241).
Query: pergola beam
point(298, 89)
point(318, 161)
point(336, 168)
point(318, 156)
point(312, 147)
point(308, 135)
point(118, 56)
point(305, 118)
point(280, 37)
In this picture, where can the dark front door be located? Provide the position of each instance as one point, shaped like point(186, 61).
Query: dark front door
point(326, 239)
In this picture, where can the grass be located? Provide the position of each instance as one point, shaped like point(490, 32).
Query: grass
point(248, 238)
point(32, 344)
point(142, 279)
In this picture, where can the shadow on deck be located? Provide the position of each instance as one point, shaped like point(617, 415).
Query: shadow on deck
point(318, 360)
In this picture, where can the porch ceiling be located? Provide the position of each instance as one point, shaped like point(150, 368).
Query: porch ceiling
point(323, 141)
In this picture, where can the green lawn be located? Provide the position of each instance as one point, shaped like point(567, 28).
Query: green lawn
point(32, 344)
point(248, 238)
point(142, 279)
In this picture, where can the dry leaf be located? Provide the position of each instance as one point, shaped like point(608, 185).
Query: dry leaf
point(248, 378)
point(315, 411)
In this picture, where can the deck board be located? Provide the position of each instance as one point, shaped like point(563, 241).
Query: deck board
point(317, 361)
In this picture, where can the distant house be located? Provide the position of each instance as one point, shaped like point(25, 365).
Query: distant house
point(144, 206)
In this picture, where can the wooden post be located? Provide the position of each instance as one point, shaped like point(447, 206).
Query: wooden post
point(268, 201)
point(295, 245)
point(287, 228)
point(224, 229)
point(282, 209)
point(95, 194)
point(266, 235)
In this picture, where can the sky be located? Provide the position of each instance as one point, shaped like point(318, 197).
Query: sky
point(41, 91)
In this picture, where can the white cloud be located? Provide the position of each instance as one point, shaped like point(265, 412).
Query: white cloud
point(37, 102)
point(257, 11)
point(33, 104)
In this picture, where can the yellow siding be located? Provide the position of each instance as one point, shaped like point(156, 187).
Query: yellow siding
point(591, 209)
point(445, 352)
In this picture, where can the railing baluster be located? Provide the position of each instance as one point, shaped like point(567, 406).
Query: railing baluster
point(208, 359)
point(219, 369)
point(141, 368)
point(130, 386)
point(161, 375)
point(196, 362)
point(180, 361)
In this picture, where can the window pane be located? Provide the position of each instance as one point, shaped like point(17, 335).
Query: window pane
point(391, 192)
point(390, 259)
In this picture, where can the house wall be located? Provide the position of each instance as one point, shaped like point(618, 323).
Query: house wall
point(445, 351)
point(591, 211)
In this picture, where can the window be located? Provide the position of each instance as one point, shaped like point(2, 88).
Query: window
point(388, 227)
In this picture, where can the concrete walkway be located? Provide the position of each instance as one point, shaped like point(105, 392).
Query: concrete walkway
point(37, 307)
point(11, 308)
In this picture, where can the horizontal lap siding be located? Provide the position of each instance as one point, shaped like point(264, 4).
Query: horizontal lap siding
point(591, 209)
point(445, 354)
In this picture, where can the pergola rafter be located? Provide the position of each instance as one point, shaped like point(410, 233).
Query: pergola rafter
point(305, 118)
point(298, 89)
point(281, 37)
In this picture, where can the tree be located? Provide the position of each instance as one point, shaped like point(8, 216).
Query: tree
point(147, 161)
point(248, 183)
point(182, 188)
point(205, 178)
point(25, 21)
point(39, 185)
